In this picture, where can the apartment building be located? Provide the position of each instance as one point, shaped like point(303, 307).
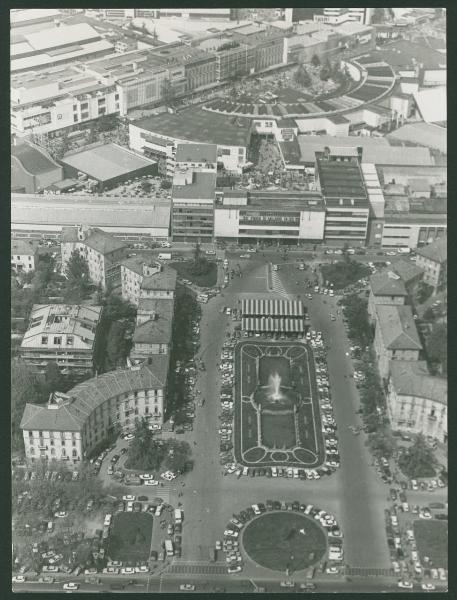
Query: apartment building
point(340, 180)
point(102, 252)
point(24, 255)
point(396, 336)
point(70, 426)
point(193, 197)
point(417, 401)
point(149, 280)
point(153, 329)
point(386, 288)
point(61, 333)
point(266, 217)
point(433, 260)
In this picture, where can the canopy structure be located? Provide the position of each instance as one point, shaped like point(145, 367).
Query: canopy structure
point(273, 308)
point(273, 324)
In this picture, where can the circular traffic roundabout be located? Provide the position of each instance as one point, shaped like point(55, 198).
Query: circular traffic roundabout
point(284, 541)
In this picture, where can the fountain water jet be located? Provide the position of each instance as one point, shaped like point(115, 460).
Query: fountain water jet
point(274, 382)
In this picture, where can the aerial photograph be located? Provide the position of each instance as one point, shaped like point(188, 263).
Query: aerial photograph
point(228, 300)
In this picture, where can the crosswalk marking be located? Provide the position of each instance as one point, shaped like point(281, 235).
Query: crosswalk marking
point(277, 285)
point(369, 572)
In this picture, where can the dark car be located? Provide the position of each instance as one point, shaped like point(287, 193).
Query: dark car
point(243, 516)
point(143, 498)
point(276, 505)
point(137, 507)
point(178, 528)
point(436, 505)
point(404, 485)
point(296, 505)
point(402, 496)
point(123, 451)
point(261, 507)
point(250, 512)
point(269, 504)
point(393, 494)
point(251, 472)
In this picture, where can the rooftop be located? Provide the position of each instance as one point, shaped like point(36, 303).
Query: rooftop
point(432, 104)
point(424, 134)
point(196, 153)
point(407, 270)
point(198, 125)
point(411, 378)
point(398, 328)
point(34, 160)
point(386, 283)
point(107, 161)
point(22, 247)
point(66, 210)
point(340, 179)
point(79, 320)
point(61, 36)
point(87, 396)
point(203, 187)
point(402, 54)
point(163, 280)
point(285, 200)
point(155, 330)
point(436, 251)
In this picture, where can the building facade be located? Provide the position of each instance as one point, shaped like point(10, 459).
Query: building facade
point(193, 206)
point(24, 255)
point(417, 401)
point(149, 280)
point(73, 425)
point(61, 333)
point(153, 329)
point(433, 260)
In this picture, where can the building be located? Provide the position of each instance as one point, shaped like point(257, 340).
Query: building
point(433, 260)
point(417, 401)
point(48, 48)
point(158, 136)
point(330, 125)
point(266, 217)
point(345, 196)
point(396, 336)
point(32, 169)
point(409, 272)
point(193, 206)
point(198, 157)
point(148, 280)
point(153, 329)
point(36, 215)
point(340, 15)
point(101, 251)
point(423, 134)
point(431, 104)
point(24, 255)
point(386, 288)
point(61, 333)
point(107, 164)
point(71, 426)
point(32, 19)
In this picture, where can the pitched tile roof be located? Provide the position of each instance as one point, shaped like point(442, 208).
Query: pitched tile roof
point(164, 280)
point(386, 283)
point(103, 242)
point(21, 247)
point(436, 251)
point(156, 330)
point(411, 378)
point(398, 329)
point(407, 270)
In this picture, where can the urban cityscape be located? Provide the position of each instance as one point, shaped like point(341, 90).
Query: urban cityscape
point(229, 300)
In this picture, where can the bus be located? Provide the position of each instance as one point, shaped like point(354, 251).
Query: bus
point(169, 548)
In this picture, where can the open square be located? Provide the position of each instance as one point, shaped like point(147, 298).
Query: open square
point(130, 537)
point(432, 541)
point(277, 418)
point(282, 541)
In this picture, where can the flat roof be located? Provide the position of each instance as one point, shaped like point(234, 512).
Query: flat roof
point(33, 159)
point(79, 320)
point(203, 186)
point(61, 36)
point(285, 200)
point(107, 161)
point(198, 125)
point(196, 153)
point(403, 53)
point(424, 134)
point(341, 179)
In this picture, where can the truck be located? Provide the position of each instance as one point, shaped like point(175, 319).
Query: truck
point(169, 548)
point(178, 515)
point(164, 256)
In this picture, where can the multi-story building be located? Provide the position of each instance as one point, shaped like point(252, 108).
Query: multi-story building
point(416, 400)
point(346, 200)
point(101, 251)
point(193, 206)
point(196, 157)
point(153, 329)
point(339, 15)
point(32, 169)
point(61, 333)
point(72, 425)
point(280, 217)
point(24, 255)
point(386, 288)
point(433, 260)
point(158, 136)
point(396, 336)
point(149, 280)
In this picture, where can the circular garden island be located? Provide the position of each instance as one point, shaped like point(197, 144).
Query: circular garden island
point(284, 541)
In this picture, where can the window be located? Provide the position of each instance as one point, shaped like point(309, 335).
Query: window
point(63, 452)
point(69, 340)
point(74, 453)
point(59, 117)
point(57, 340)
point(84, 106)
point(44, 339)
point(30, 434)
point(116, 97)
point(32, 450)
point(75, 118)
point(53, 451)
point(52, 442)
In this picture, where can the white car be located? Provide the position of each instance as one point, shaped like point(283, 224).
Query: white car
point(166, 245)
point(151, 482)
point(129, 437)
point(111, 571)
point(146, 476)
point(289, 584)
point(235, 569)
point(19, 579)
point(142, 569)
point(70, 587)
point(127, 571)
point(129, 498)
point(428, 587)
point(187, 587)
point(405, 584)
point(129, 507)
point(168, 475)
point(332, 570)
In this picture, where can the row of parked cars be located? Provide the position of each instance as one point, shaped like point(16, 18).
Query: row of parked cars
point(226, 416)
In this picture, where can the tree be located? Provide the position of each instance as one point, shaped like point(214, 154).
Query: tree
point(423, 292)
point(53, 378)
point(418, 460)
point(25, 387)
point(326, 71)
point(145, 452)
point(437, 346)
point(429, 314)
point(382, 443)
point(146, 186)
point(117, 346)
point(61, 146)
point(177, 456)
point(200, 265)
point(315, 61)
point(77, 274)
point(302, 77)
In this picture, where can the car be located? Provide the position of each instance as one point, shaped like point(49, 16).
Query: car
point(151, 482)
point(405, 585)
point(234, 569)
point(111, 571)
point(128, 498)
point(92, 571)
point(187, 587)
point(70, 586)
point(288, 584)
point(428, 587)
point(129, 436)
point(210, 252)
point(127, 571)
point(142, 569)
point(19, 579)
point(61, 514)
point(146, 476)
point(143, 498)
point(307, 586)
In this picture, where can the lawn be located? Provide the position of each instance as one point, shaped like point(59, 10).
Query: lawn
point(344, 273)
point(281, 541)
point(432, 541)
point(278, 431)
point(130, 537)
point(184, 270)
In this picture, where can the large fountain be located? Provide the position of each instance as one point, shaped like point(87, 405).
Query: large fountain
point(274, 383)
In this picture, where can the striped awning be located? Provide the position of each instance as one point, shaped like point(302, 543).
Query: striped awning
point(275, 308)
point(276, 325)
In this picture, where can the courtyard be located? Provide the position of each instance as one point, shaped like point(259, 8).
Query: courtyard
point(130, 537)
point(277, 417)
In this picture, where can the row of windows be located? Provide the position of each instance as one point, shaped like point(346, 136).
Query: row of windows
point(74, 452)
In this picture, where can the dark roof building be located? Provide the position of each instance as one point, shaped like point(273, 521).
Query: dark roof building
point(201, 187)
point(339, 180)
point(386, 284)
